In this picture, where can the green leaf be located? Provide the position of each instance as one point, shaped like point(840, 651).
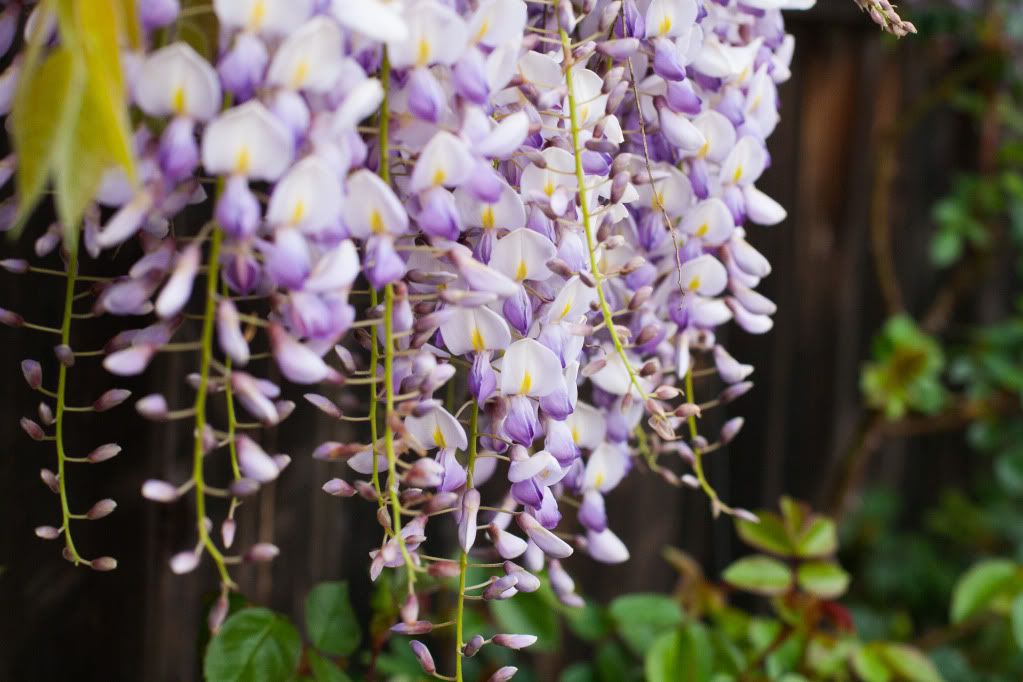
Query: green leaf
point(909, 663)
point(579, 672)
point(329, 620)
point(818, 540)
point(869, 665)
point(588, 622)
point(661, 663)
point(684, 655)
point(254, 645)
point(979, 586)
point(45, 109)
point(769, 535)
point(324, 670)
point(640, 618)
point(822, 579)
point(531, 613)
point(1017, 619)
point(613, 664)
point(759, 574)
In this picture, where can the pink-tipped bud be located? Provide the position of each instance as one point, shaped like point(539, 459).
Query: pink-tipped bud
point(339, 487)
point(324, 405)
point(159, 491)
point(503, 674)
point(687, 410)
point(10, 318)
point(254, 462)
point(34, 431)
point(731, 429)
point(218, 614)
point(153, 406)
point(15, 265)
point(65, 356)
point(243, 487)
point(111, 399)
point(424, 656)
point(184, 562)
point(514, 641)
point(48, 532)
point(473, 646)
point(227, 532)
point(131, 361)
point(443, 569)
point(50, 480)
point(45, 414)
point(262, 552)
point(745, 515)
point(33, 374)
point(410, 609)
point(420, 627)
point(736, 391)
point(104, 507)
point(103, 563)
point(103, 453)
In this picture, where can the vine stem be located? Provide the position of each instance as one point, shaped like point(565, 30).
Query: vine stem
point(392, 473)
point(65, 338)
point(206, 349)
point(587, 227)
point(716, 504)
point(463, 559)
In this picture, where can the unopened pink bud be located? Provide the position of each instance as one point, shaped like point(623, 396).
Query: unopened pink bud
point(159, 491)
point(33, 374)
point(184, 562)
point(243, 487)
point(262, 552)
point(473, 646)
point(103, 563)
point(443, 569)
point(731, 429)
point(111, 399)
point(104, 507)
point(420, 627)
point(323, 404)
point(65, 355)
point(424, 656)
point(227, 531)
point(339, 488)
point(218, 614)
point(103, 453)
point(153, 406)
point(15, 265)
point(50, 479)
point(34, 431)
point(10, 318)
point(45, 414)
point(48, 532)
point(514, 641)
point(503, 674)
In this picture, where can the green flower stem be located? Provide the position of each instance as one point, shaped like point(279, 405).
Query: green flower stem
point(392, 469)
point(206, 350)
point(587, 227)
point(463, 559)
point(716, 503)
point(65, 338)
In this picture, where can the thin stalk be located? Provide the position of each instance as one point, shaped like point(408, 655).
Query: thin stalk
point(206, 349)
point(716, 504)
point(65, 338)
point(463, 559)
point(587, 227)
point(392, 470)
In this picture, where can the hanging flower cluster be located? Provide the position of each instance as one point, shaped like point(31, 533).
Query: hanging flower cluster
point(511, 230)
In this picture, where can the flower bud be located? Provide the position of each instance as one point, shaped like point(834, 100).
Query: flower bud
point(48, 532)
point(15, 265)
point(102, 508)
point(254, 462)
point(111, 399)
point(473, 646)
point(243, 487)
point(513, 641)
point(34, 431)
point(103, 563)
point(50, 479)
point(218, 613)
point(424, 656)
point(153, 407)
point(731, 429)
point(184, 562)
point(420, 627)
point(227, 531)
point(11, 319)
point(159, 491)
point(33, 374)
point(65, 356)
point(45, 414)
point(338, 488)
point(443, 569)
point(501, 588)
point(261, 552)
point(503, 674)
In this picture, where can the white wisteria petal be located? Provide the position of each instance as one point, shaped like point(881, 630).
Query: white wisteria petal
point(762, 209)
point(605, 468)
point(175, 80)
point(745, 162)
point(359, 104)
point(497, 22)
point(708, 312)
point(587, 426)
point(530, 368)
point(437, 35)
point(669, 18)
point(710, 221)
point(719, 134)
point(475, 329)
point(362, 463)
point(308, 196)
point(705, 275)
point(437, 429)
point(310, 58)
point(507, 212)
point(335, 270)
point(269, 17)
point(572, 300)
point(559, 172)
point(376, 19)
point(249, 141)
point(614, 377)
point(444, 162)
point(377, 210)
point(748, 258)
point(505, 138)
point(523, 254)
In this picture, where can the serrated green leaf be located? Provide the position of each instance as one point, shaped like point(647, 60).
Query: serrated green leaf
point(822, 579)
point(909, 663)
point(869, 665)
point(45, 109)
point(759, 574)
point(979, 586)
point(330, 621)
point(769, 535)
point(819, 539)
point(254, 645)
point(640, 618)
point(324, 670)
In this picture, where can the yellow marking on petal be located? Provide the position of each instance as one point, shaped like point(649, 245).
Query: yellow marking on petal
point(702, 230)
point(694, 283)
point(484, 27)
point(439, 176)
point(242, 161)
point(298, 212)
point(566, 310)
point(522, 270)
point(584, 114)
point(664, 26)
point(376, 222)
point(487, 218)
point(548, 187)
point(657, 200)
point(738, 174)
point(755, 104)
point(178, 102)
point(300, 74)
point(575, 435)
point(598, 480)
point(257, 14)
point(423, 52)
point(438, 437)
point(527, 383)
point(703, 150)
point(478, 344)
